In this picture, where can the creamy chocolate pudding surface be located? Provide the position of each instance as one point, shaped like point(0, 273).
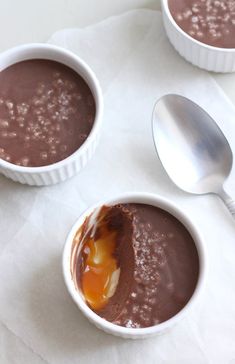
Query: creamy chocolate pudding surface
point(156, 269)
point(209, 21)
point(46, 112)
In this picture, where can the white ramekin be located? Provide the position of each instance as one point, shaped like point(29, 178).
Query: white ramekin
point(200, 54)
point(109, 327)
point(71, 165)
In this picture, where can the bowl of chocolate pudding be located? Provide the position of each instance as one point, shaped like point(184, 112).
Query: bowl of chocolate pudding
point(50, 114)
point(202, 31)
point(134, 265)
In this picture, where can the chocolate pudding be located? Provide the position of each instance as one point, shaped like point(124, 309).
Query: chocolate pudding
point(209, 21)
point(46, 112)
point(135, 264)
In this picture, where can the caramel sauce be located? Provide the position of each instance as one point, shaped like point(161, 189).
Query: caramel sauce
point(99, 271)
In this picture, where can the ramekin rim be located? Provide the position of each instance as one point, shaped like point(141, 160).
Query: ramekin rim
point(98, 116)
point(166, 10)
point(176, 211)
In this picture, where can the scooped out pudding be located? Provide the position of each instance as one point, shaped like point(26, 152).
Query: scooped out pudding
point(136, 265)
point(47, 111)
point(209, 21)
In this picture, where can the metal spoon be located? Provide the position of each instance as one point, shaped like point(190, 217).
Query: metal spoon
point(191, 147)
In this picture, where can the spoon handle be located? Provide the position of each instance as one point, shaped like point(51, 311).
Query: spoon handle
point(229, 202)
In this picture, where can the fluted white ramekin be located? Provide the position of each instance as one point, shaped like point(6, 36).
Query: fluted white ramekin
point(108, 327)
point(68, 167)
point(200, 54)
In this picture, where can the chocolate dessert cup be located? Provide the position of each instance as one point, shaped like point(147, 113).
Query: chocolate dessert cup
point(33, 112)
point(206, 56)
point(106, 316)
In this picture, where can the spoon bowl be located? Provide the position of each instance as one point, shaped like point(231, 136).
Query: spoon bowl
point(191, 147)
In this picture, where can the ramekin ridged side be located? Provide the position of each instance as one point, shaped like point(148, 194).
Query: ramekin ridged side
point(70, 166)
point(199, 54)
point(56, 174)
point(135, 333)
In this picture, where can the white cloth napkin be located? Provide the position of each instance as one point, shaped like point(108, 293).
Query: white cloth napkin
point(39, 323)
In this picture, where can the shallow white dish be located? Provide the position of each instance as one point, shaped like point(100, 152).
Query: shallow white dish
point(135, 333)
point(68, 167)
point(200, 54)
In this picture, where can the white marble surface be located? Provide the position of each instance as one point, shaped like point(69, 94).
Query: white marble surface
point(24, 21)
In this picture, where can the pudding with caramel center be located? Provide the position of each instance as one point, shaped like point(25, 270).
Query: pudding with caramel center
point(136, 265)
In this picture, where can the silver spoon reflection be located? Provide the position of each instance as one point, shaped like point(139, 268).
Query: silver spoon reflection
point(191, 147)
